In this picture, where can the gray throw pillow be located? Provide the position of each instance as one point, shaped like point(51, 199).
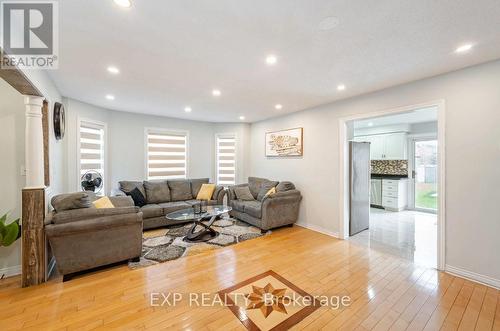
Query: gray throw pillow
point(70, 201)
point(264, 189)
point(243, 193)
point(157, 191)
point(180, 190)
point(285, 186)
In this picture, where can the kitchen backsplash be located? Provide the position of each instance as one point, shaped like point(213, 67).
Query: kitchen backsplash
point(390, 167)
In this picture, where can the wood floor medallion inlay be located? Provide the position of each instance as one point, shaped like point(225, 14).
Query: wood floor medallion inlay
point(268, 302)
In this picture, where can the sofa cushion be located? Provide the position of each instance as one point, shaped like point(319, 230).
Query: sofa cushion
point(253, 208)
point(157, 191)
point(255, 184)
point(169, 207)
point(122, 201)
point(74, 215)
point(243, 193)
point(196, 185)
point(217, 191)
point(180, 190)
point(285, 186)
point(265, 189)
point(151, 210)
point(127, 186)
point(238, 205)
point(70, 201)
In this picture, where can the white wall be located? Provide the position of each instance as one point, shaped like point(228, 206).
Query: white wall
point(12, 118)
point(126, 144)
point(472, 100)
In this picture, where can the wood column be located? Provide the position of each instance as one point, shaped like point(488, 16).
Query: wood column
point(33, 197)
point(33, 237)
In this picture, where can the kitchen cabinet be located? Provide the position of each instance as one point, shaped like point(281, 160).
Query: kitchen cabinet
point(395, 194)
point(390, 146)
point(376, 192)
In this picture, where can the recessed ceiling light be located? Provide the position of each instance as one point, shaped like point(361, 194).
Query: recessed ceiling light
point(271, 59)
point(328, 23)
point(187, 109)
point(113, 70)
point(216, 93)
point(110, 97)
point(370, 124)
point(341, 87)
point(242, 118)
point(464, 48)
point(278, 106)
point(123, 3)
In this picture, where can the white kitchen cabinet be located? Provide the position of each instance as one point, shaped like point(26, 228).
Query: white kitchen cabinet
point(394, 194)
point(391, 146)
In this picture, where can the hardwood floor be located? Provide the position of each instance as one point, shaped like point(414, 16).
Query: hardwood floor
point(386, 292)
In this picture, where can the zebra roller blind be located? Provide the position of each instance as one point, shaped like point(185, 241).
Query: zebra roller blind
point(166, 155)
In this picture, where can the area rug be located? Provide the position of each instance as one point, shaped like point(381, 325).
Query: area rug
point(166, 244)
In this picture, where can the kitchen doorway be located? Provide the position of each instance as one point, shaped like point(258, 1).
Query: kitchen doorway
point(407, 158)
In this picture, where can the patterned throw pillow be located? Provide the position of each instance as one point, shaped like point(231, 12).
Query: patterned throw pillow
point(103, 202)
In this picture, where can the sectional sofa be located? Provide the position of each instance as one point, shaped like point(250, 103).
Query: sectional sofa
point(166, 196)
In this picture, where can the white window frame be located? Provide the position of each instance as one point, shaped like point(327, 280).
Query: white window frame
point(166, 131)
point(105, 187)
point(236, 150)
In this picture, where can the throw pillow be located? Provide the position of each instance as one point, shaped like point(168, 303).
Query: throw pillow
point(70, 201)
point(196, 185)
point(243, 193)
point(206, 192)
point(103, 202)
point(138, 197)
point(271, 191)
point(157, 191)
point(265, 188)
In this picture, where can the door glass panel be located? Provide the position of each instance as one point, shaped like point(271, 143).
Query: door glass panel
point(426, 174)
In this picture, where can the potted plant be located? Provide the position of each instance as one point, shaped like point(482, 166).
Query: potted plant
point(9, 233)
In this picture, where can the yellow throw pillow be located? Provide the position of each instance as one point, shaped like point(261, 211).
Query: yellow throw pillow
point(271, 191)
point(103, 202)
point(206, 192)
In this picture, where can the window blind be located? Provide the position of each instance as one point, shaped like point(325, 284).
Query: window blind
point(167, 155)
point(226, 160)
point(91, 148)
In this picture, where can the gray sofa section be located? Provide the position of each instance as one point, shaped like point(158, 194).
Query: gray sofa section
point(87, 238)
point(266, 212)
point(166, 196)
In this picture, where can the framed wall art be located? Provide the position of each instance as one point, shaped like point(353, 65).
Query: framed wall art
point(285, 143)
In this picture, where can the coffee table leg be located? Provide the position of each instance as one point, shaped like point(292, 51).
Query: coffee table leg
point(203, 235)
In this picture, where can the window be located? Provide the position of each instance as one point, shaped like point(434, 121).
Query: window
point(92, 149)
point(226, 159)
point(166, 155)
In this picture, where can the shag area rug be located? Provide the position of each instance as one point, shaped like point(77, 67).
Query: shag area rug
point(165, 244)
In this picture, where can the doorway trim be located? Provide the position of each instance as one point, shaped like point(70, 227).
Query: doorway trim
point(344, 170)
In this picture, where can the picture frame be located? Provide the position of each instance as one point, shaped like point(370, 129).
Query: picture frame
point(285, 143)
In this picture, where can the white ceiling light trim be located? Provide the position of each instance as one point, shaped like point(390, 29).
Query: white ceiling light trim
point(123, 3)
point(464, 48)
point(216, 93)
point(242, 118)
point(271, 59)
point(113, 70)
point(341, 87)
point(110, 97)
point(278, 106)
point(188, 109)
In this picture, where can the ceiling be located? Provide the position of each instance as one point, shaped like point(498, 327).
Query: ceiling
point(422, 115)
point(171, 54)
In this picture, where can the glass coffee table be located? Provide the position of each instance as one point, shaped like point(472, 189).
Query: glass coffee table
point(206, 233)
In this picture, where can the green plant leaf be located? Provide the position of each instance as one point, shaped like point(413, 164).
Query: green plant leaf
point(3, 231)
point(12, 230)
point(3, 219)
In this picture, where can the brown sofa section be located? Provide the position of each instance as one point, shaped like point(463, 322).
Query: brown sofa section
point(87, 238)
point(166, 196)
point(266, 211)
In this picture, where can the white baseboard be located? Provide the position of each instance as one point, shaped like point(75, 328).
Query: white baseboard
point(320, 230)
point(11, 271)
point(485, 280)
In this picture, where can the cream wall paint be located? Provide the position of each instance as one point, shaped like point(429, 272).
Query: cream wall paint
point(472, 100)
point(126, 144)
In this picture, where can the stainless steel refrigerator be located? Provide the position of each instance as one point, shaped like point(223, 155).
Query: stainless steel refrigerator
point(359, 182)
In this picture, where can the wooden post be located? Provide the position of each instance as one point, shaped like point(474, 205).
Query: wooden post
point(33, 237)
